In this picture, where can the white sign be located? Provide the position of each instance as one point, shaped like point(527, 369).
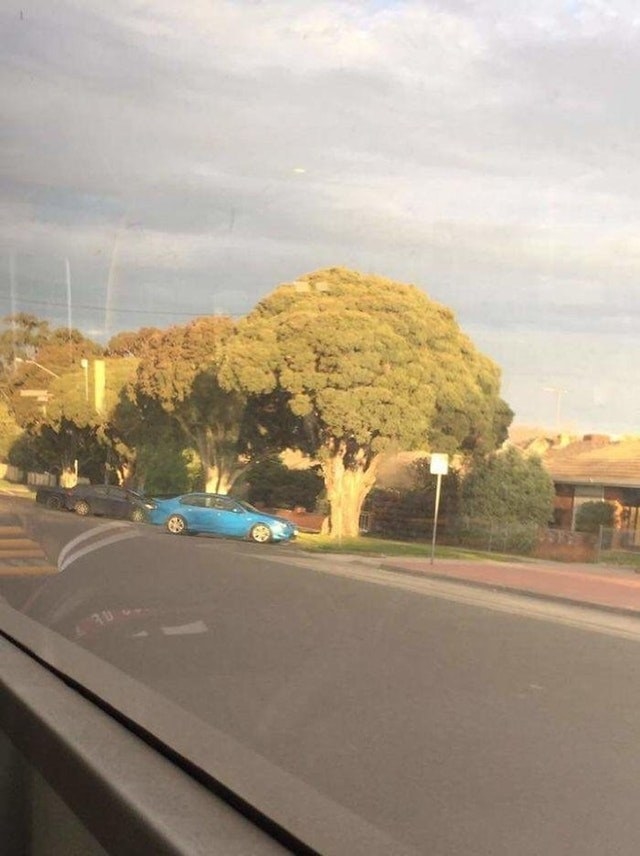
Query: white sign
point(439, 465)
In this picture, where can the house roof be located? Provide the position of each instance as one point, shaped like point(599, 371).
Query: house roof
point(596, 460)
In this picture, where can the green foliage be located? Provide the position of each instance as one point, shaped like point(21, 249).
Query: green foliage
point(410, 513)
point(163, 470)
point(369, 362)
point(492, 536)
point(273, 484)
point(131, 343)
point(363, 365)
point(179, 372)
point(46, 449)
point(35, 357)
point(590, 516)
point(9, 429)
point(508, 487)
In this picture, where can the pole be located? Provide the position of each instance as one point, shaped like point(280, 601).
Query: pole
point(85, 368)
point(67, 268)
point(435, 516)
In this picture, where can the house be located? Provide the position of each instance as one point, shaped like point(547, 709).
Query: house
point(595, 467)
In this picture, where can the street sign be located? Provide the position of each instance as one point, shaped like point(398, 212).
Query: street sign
point(439, 465)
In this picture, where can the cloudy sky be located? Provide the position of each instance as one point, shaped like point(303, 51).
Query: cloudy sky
point(185, 158)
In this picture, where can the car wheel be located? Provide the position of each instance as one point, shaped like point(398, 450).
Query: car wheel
point(176, 524)
point(138, 515)
point(54, 503)
point(82, 508)
point(260, 533)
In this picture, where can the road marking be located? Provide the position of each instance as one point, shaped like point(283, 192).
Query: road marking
point(69, 554)
point(20, 555)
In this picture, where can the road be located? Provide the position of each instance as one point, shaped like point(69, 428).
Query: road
point(454, 721)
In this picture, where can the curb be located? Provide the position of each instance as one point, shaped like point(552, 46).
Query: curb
point(498, 587)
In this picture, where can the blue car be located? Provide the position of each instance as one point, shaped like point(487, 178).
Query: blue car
point(220, 515)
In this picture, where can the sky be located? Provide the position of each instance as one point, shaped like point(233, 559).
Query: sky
point(161, 160)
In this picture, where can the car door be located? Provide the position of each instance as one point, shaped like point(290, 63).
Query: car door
point(226, 516)
point(98, 499)
point(194, 510)
point(117, 502)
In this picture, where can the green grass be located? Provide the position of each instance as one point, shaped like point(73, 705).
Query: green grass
point(622, 558)
point(382, 547)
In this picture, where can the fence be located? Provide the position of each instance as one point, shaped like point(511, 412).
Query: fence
point(619, 547)
point(523, 539)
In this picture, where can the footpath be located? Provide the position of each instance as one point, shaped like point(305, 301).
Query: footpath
point(612, 588)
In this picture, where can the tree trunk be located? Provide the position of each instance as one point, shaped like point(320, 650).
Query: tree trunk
point(217, 480)
point(68, 477)
point(347, 490)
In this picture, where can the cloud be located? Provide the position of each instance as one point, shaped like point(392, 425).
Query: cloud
point(487, 152)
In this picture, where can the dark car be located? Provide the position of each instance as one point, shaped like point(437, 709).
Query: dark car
point(108, 500)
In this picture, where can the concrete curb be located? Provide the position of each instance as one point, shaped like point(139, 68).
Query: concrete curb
point(487, 586)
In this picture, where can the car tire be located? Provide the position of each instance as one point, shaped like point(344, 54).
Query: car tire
point(176, 524)
point(54, 503)
point(260, 533)
point(82, 508)
point(137, 515)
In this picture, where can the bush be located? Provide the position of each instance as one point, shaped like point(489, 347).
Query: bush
point(590, 516)
point(508, 487)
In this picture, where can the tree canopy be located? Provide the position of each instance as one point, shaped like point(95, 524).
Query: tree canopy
point(179, 371)
point(365, 365)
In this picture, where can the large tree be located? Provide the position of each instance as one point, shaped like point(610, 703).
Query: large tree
point(360, 366)
point(179, 370)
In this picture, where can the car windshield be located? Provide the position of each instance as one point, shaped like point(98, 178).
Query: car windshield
point(370, 271)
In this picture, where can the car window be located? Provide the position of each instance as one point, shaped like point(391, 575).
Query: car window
point(194, 500)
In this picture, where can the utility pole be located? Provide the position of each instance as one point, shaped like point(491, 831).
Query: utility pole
point(558, 392)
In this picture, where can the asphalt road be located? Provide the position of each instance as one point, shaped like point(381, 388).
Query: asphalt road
point(455, 723)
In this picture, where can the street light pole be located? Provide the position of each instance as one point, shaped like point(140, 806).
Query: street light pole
point(558, 393)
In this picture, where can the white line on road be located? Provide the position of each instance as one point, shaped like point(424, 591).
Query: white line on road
point(68, 556)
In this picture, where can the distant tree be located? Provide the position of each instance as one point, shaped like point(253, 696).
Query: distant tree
point(179, 371)
point(590, 516)
point(9, 428)
point(73, 424)
point(130, 343)
point(59, 352)
point(358, 366)
point(507, 487)
point(20, 336)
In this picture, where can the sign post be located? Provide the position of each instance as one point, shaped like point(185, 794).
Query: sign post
point(439, 466)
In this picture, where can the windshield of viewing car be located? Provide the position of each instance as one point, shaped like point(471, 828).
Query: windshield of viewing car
point(370, 267)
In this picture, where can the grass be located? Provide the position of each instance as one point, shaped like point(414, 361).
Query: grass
point(622, 558)
point(382, 547)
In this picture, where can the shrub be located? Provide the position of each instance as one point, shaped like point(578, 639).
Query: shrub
point(590, 516)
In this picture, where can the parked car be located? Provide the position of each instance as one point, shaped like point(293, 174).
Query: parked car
point(103, 499)
point(219, 515)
